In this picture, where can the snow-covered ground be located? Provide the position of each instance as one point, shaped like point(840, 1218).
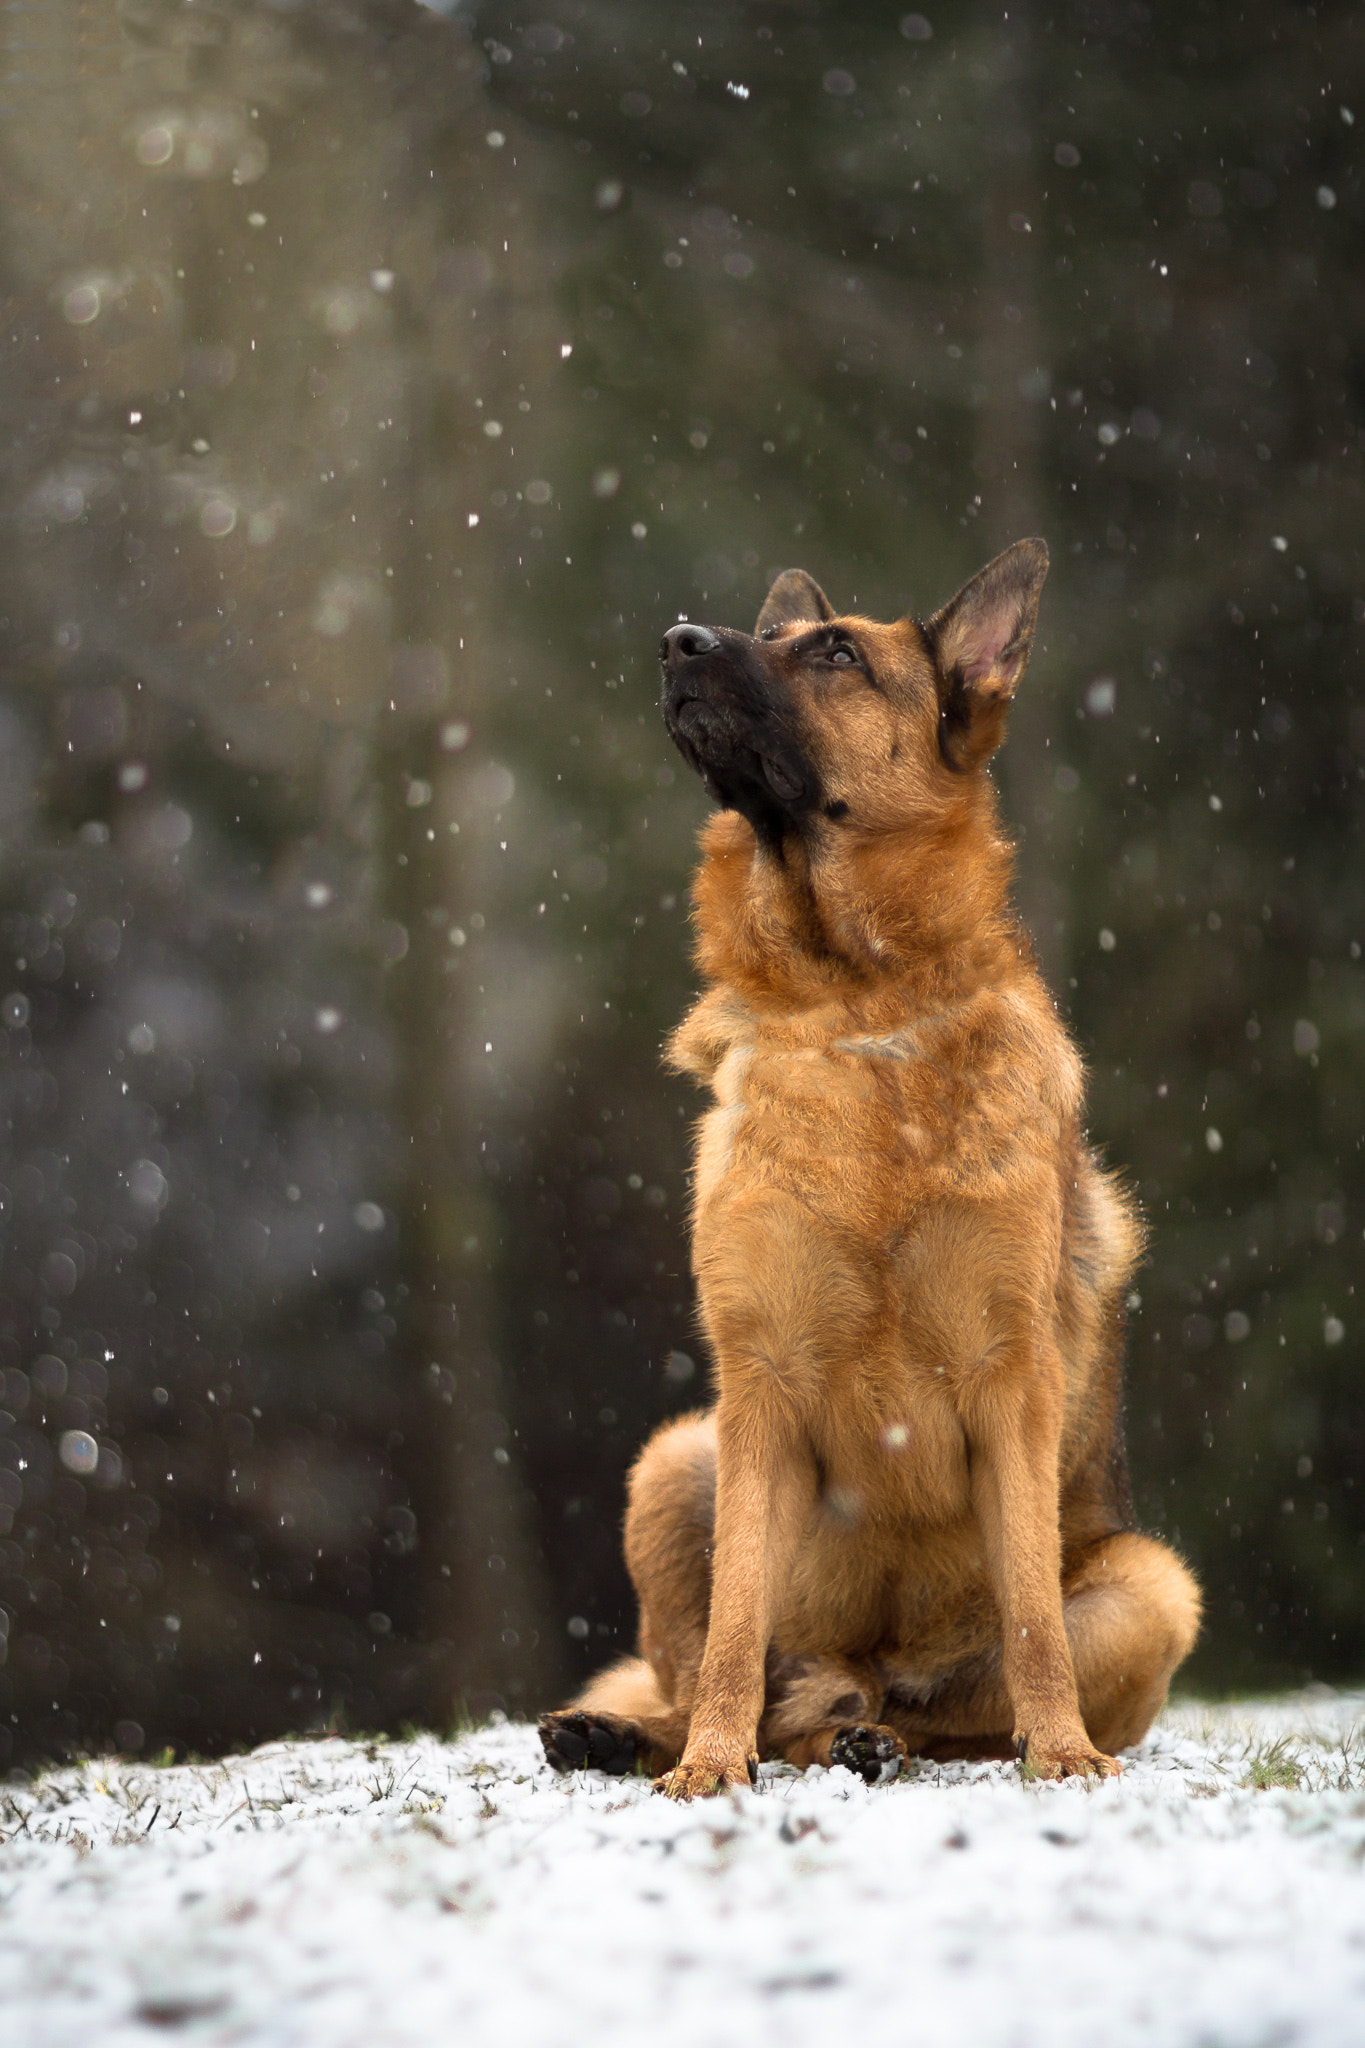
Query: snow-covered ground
point(324, 1893)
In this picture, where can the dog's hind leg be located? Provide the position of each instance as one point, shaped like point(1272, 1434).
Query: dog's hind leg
point(1131, 1614)
point(670, 1538)
point(620, 1722)
point(824, 1710)
point(637, 1712)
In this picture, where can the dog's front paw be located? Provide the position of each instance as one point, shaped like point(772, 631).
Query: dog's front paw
point(875, 1754)
point(1075, 1758)
point(703, 1779)
point(578, 1741)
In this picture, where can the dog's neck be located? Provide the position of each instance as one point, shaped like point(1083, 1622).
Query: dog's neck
point(924, 909)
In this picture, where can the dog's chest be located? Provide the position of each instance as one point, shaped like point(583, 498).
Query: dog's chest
point(906, 1461)
point(839, 1121)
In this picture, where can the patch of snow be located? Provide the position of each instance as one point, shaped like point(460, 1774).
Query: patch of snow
point(323, 1893)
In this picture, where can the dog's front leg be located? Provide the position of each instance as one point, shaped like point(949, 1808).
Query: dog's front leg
point(1014, 1432)
point(765, 1488)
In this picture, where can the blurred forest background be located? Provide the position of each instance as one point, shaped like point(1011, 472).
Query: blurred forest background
point(378, 383)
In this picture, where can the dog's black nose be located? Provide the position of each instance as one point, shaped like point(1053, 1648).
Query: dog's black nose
point(688, 642)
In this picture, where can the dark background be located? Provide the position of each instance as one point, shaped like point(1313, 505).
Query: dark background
point(377, 385)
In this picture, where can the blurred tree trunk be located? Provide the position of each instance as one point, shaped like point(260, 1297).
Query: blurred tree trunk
point(483, 1601)
point(482, 1605)
point(1011, 429)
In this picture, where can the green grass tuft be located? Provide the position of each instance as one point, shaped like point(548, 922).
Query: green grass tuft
point(1273, 1767)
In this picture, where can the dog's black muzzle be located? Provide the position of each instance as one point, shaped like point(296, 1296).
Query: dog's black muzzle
point(725, 714)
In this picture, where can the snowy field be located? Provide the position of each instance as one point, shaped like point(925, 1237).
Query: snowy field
point(318, 1894)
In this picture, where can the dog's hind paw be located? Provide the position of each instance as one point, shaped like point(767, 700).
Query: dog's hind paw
point(875, 1754)
point(577, 1741)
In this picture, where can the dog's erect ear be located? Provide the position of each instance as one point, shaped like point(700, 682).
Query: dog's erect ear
point(795, 599)
point(983, 635)
point(981, 640)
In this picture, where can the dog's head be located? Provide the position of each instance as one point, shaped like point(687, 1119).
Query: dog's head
point(816, 723)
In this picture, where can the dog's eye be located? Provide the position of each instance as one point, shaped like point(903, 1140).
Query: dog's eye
point(842, 657)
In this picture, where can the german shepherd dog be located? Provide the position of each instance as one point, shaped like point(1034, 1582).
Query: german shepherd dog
point(905, 1525)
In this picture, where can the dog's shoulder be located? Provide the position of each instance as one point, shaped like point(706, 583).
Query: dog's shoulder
point(1028, 1022)
point(718, 1022)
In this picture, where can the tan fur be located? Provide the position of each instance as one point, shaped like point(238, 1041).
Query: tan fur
point(907, 1510)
